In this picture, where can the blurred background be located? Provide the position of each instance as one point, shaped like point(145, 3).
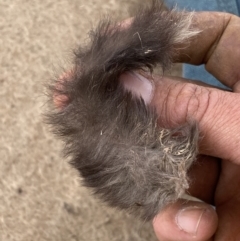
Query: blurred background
point(41, 197)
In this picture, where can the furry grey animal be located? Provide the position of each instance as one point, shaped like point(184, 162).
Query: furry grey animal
point(111, 135)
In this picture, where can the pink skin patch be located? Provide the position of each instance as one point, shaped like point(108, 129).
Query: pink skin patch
point(138, 85)
point(60, 100)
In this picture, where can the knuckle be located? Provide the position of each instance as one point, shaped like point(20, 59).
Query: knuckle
point(191, 102)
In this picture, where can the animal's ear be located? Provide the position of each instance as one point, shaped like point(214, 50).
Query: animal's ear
point(140, 85)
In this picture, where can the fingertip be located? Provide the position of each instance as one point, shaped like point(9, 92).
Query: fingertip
point(184, 221)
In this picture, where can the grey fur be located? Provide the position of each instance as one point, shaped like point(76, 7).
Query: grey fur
point(112, 137)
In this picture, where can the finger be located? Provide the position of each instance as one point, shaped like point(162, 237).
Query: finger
point(216, 112)
point(217, 46)
point(203, 178)
point(204, 173)
point(228, 202)
point(186, 220)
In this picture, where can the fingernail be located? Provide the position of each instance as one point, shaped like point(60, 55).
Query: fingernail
point(189, 219)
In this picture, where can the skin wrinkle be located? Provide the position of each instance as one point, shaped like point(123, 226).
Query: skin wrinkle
point(185, 96)
point(183, 93)
point(206, 105)
point(166, 100)
point(195, 97)
point(165, 115)
point(217, 124)
point(214, 109)
point(208, 108)
point(212, 120)
point(213, 46)
point(226, 48)
point(201, 137)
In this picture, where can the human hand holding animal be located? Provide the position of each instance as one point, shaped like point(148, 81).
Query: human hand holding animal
point(216, 181)
point(126, 144)
point(218, 115)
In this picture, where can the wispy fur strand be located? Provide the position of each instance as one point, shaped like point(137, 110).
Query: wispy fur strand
point(112, 137)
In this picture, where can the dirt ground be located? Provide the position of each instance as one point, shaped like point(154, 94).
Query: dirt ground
point(41, 197)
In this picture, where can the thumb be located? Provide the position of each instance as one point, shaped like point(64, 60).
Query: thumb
point(183, 221)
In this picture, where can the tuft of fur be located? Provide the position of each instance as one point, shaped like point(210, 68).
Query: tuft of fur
point(111, 136)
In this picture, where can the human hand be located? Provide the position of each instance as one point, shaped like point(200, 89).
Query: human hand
point(188, 110)
point(217, 113)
